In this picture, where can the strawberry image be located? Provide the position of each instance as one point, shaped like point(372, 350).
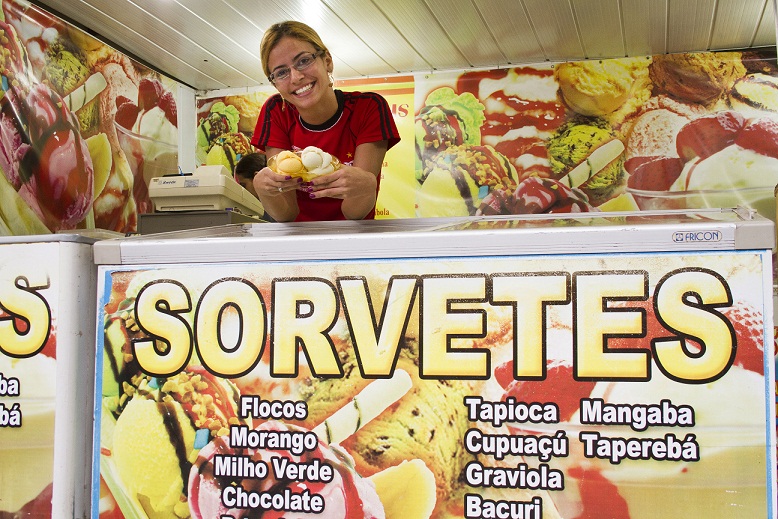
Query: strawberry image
point(653, 173)
point(761, 136)
point(126, 114)
point(167, 103)
point(149, 92)
point(558, 387)
point(749, 333)
point(704, 136)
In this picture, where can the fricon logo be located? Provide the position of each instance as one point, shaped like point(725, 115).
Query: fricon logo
point(698, 236)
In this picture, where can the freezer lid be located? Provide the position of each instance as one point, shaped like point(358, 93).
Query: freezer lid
point(664, 231)
point(71, 236)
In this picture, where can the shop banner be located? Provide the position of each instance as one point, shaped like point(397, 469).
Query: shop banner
point(83, 128)
point(29, 296)
point(568, 386)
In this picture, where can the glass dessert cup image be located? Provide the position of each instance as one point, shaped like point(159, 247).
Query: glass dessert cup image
point(147, 157)
point(759, 198)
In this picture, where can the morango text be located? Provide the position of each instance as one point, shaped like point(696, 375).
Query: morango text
point(305, 310)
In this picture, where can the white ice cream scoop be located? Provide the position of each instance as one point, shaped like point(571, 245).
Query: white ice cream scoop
point(317, 161)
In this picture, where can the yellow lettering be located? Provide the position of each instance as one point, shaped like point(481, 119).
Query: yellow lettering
point(592, 322)
point(678, 312)
point(157, 309)
point(20, 299)
point(230, 327)
point(304, 311)
point(444, 320)
point(530, 296)
point(377, 354)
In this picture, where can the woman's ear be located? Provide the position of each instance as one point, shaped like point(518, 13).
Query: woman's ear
point(328, 61)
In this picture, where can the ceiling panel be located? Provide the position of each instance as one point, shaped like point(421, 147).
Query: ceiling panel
point(594, 17)
point(689, 24)
point(645, 27)
point(214, 44)
point(512, 30)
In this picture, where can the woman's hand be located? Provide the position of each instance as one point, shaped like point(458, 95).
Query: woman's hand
point(270, 184)
point(355, 186)
point(277, 194)
point(344, 183)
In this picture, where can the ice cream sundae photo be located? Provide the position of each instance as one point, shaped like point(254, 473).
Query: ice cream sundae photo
point(650, 132)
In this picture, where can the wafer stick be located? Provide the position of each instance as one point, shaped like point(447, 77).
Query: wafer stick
point(85, 92)
point(369, 403)
point(594, 163)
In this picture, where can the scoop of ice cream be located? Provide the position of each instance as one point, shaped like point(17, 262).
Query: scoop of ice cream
point(699, 77)
point(27, 452)
point(575, 159)
point(346, 496)
point(597, 88)
point(732, 168)
point(317, 162)
point(287, 163)
point(65, 70)
point(755, 94)
point(154, 124)
point(161, 425)
point(305, 164)
point(248, 106)
point(149, 456)
point(651, 155)
point(733, 176)
point(573, 141)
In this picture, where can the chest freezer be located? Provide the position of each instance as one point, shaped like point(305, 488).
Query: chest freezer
point(47, 285)
point(550, 366)
point(208, 188)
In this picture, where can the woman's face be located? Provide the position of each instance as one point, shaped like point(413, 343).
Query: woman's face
point(303, 88)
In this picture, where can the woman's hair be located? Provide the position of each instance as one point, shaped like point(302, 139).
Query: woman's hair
point(249, 164)
point(293, 29)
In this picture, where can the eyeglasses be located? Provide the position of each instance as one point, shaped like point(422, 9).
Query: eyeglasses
point(302, 63)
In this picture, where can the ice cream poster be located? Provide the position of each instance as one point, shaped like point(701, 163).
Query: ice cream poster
point(83, 128)
point(225, 125)
point(629, 387)
point(672, 131)
point(28, 376)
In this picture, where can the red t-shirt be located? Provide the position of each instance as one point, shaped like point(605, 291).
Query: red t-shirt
point(361, 117)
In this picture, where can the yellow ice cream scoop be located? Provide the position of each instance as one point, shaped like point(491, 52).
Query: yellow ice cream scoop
point(288, 163)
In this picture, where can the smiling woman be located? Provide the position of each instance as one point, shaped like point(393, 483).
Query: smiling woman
point(355, 127)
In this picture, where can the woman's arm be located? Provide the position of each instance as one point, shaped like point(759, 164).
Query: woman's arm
point(277, 192)
point(356, 185)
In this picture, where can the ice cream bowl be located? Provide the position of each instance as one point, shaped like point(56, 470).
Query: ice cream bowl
point(689, 450)
point(147, 157)
point(761, 199)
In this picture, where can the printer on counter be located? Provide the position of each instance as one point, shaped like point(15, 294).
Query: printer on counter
point(208, 188)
